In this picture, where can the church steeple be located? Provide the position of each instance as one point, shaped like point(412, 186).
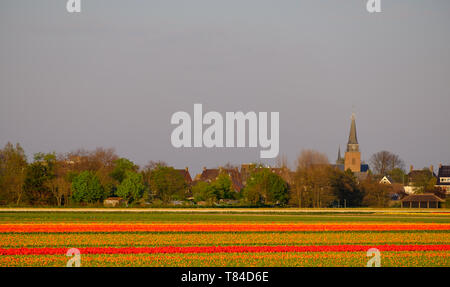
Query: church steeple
point(339, 160)
point(352, 144)
point(353, 156)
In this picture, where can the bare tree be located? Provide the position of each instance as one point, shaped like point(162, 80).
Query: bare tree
point(311, 181)
point(59, 184)
point(13, 165)
point(309, 158)
point(383, 162)
point(282, 161)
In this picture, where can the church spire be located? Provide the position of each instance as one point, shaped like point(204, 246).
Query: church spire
point(352, 144)
point(339, 160)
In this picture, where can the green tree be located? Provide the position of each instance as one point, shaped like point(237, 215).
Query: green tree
point(424, 181)
point(265, 187)
point(121, 166)
point(345, 187)
point(398, 175)
point(86, 187)
point(221, 187)
point(37, 175)
point(132, 187)
point(167, 184)
point(202, 192)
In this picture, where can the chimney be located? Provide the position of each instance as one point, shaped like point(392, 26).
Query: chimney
point(432, 168)
point(411, 168)
point(204, 168)
point(186, 168)
point(440, 165)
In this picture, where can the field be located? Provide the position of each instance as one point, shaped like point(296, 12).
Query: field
point(248, 238)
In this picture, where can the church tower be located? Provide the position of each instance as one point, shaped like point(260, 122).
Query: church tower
point(352, 155)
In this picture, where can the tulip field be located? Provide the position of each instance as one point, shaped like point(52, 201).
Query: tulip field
point(190, 239)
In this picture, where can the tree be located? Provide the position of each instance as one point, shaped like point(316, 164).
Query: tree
point(37, 175)
point(345, 188)
point(424, 181)
point(148, 169)
point(132, 187)
point(375, 194)
point(398, 175)
point(202, 192)
point(13, 165)
point(383, 162)
point(59, 183)
point(222, 188)
point(167, 184)
point(95, 160)
point(311, 186)
point(101, 161)
point(266, 187)
point(309, 158)
point(86, 187)
point(122, 165)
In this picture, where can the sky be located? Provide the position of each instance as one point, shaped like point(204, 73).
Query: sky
point(113, 75)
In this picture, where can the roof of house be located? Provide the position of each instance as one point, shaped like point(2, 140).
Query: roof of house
point(414, 175)
point(211, 174)
point(422, 197)
point(185, 173)
point(444, 171)
point(388, 177)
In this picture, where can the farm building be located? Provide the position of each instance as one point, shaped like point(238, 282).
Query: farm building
point(426, 200)
point(114, 201)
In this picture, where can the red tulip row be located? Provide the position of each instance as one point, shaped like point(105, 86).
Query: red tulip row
point(222, 249)
point(96, 227)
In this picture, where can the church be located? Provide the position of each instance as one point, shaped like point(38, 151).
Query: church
point(352, 157)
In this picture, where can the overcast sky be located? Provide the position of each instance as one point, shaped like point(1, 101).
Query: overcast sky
point(113, 75)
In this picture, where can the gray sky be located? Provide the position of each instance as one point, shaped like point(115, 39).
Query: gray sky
point(113, 75)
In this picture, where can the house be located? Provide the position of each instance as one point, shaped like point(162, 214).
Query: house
point(396, 190)
point(209, 175)
point(426, 200)
point(186, 175)
point(415, 176)
point(386, 180)
point(114, 202)
point(443, 178)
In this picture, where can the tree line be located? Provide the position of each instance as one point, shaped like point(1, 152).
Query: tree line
point(88, 177)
